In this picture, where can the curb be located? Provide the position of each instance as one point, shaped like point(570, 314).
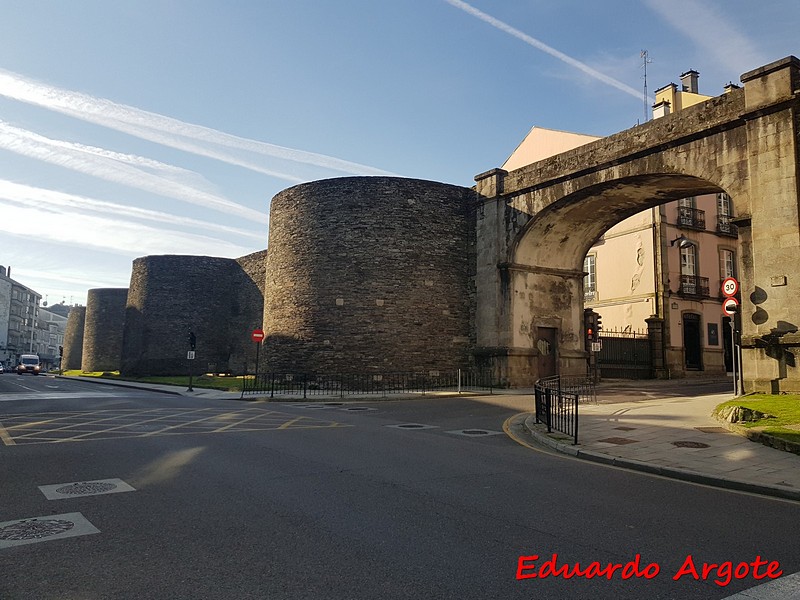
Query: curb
point(523, 425)
point(123, 384)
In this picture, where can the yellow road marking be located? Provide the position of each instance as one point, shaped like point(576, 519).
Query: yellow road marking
point(5, 437)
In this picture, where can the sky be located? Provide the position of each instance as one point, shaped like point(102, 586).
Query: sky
point(135, 128)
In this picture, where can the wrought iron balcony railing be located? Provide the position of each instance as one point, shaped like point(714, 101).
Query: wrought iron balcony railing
point(726, 227)
point(691, 218)
point(692, 285)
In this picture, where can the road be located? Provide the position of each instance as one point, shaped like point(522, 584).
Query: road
point(227, 499)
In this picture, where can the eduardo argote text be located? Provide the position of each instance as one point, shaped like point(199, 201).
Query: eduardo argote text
point(531, 567)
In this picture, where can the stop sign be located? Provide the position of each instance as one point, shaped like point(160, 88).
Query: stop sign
point(257, 335)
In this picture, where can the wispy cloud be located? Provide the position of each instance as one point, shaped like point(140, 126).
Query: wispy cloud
point(55, 200)
point(134, 171)
point(196, 139)
point(125, 238)
point(583, 67)
point(712, 31)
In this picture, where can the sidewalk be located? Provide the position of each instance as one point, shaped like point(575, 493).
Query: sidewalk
point(673, 436)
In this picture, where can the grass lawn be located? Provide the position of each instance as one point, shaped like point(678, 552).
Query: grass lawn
point(785, 408)
point(231, 384)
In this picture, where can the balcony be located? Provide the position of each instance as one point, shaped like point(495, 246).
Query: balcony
point(725, 226)
point(691, 218)
point(694, 286)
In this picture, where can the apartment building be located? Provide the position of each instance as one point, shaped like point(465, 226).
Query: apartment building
point(667, 262)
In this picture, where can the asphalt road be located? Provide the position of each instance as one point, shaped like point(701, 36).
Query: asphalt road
point(256, 500)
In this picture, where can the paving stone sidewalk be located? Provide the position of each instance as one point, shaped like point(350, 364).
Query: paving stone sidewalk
point(676, 437)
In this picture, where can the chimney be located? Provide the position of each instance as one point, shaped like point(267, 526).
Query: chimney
point(689, 81)
point(661, 109)
point(730, 87)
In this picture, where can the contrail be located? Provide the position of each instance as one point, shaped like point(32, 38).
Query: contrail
point(170, 132)
point(125, 169)
point(547, 49)
point(29, 195)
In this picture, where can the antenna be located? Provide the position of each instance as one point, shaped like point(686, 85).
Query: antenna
point(645, 56)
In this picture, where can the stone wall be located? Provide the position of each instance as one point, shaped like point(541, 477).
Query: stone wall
point(102, 332)
point(369, 274)
point(219, 299)
point(73, 339)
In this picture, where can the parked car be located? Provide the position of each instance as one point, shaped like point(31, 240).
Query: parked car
point(2, 369)
point(28, 363)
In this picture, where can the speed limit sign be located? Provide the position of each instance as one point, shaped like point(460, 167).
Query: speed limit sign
point(730, 287)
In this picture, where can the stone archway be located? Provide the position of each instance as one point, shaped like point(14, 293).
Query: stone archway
point(535, 224)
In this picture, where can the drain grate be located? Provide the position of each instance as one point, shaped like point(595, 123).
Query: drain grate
point(688, 444)
point(712, 429)
point(359, 408)
point(83, 488)
point(43, 529)
point(34, 529)
point(618, 441)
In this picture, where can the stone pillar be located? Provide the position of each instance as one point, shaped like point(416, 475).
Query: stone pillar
point(770, 233)
point(655, 333)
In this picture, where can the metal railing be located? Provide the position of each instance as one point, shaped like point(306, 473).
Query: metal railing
point(341, 385)
point(692, 285)
point(691, 218)
point(726, 227)
point(582, 386)
point(557, 409)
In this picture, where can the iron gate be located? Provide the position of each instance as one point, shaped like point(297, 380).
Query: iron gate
point(625, 355)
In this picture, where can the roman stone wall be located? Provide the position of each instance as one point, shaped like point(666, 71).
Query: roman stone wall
point(369, 275)
point(102, 332)
point(219, 299)
point(73, 338)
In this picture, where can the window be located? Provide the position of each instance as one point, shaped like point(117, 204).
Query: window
point(690, 283)
point(590, 279)
point(724, 208)
point(727, 264)
point(687, 202)
point(689, 260)
point(724, 215)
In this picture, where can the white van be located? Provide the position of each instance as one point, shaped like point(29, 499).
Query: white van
point(28, 363)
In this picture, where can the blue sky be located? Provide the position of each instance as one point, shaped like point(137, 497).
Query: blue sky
point(166, 126)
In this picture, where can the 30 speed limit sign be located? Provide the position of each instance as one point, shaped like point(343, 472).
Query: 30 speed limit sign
point(730, 287)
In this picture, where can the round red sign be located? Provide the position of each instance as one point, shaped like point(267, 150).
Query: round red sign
point(257, 335)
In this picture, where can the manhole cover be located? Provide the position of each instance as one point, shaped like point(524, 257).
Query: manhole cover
point(475, 432)
point(358, 408)
point(92, 487)
point(334, 404)
point(411, 426)
point(34, 529)
point(684, 444)
point(625, 428)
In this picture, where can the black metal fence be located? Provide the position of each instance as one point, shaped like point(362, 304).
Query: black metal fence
point(556, 407)
point(341, 385)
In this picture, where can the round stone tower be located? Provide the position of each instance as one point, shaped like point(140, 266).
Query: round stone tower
point(102, 333)
point(219, 299)
point(73, 338)
point(369, 275)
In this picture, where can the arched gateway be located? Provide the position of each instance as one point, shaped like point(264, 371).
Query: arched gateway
point(535, 224)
